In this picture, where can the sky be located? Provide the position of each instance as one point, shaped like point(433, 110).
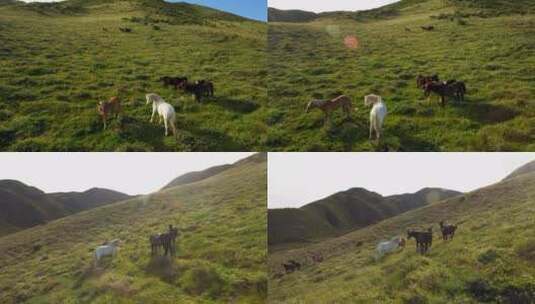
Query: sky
point(131, 173)
point(319, 6)
point(252, 9)
point(296, 179)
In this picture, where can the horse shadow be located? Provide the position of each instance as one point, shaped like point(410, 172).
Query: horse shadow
point(134, 129)
point(485, 113)
point(163, 267)
point(234, 105)
point(196, 138)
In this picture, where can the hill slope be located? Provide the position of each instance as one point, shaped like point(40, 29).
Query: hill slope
point(490, 260)
point(277, 15)
point(221, 249)
point(343, 212)
point(525, 169)
point(193, 177)
point(57, 60)
point(24, 206)
point(384, 52)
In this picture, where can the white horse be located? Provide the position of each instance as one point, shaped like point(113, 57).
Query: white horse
point(110, 249)
point(389, 246)
point(165, 111)
point(377, 114)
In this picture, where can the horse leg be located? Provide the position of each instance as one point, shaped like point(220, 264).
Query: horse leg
point(166, 126)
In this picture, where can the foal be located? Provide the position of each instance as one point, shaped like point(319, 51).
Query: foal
point(107, 108)
point(328, 106)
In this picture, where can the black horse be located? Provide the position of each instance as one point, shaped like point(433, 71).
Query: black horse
point(177, 82)
point(199, 89)
point(166, 240)
point(291, 266)
point(448, 231)
point(424, 239)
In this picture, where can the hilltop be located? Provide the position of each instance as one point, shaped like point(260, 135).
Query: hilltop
point(343, 212)
point(277, 15)
point(486, 44)
point(24, 206)
point(525, 169)
point(221, 248)
point(58, 60)
point(490, 259)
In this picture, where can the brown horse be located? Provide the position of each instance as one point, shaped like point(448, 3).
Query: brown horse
point(107, 108)
point(328, 106)
point(422, 80)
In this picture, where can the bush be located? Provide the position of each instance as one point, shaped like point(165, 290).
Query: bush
point(488, 256)
point(526, 250)
point(202, 279)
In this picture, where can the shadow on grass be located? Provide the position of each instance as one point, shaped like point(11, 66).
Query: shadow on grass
point(239, 106)
point(199, 139)
point(163, 267)
point(137, 130)
point(485, 113)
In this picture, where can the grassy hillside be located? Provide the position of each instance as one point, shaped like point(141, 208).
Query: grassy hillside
point(277, 15)
point(490, 49)
point(221, 249)
point(490, 260)
point(24, 206)
point(527, 168)
point(342, 212)
point(192, 177)
point(58, 60)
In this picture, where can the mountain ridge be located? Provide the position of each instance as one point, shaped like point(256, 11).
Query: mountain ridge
point(344, 211)
point(26, 206)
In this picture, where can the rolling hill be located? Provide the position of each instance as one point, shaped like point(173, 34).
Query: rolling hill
point(490, 260)
point(527, 168)
point(277, 15)
point(487, 44)
point(24, 206)
point(221, 248)
point(57, 60)
point(343, 212)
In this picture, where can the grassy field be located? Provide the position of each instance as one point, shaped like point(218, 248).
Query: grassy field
point(58, 60)
point(487, 46)
point(221, 250)
point(490, 260)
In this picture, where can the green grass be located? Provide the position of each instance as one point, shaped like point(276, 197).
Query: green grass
point(221, 250)
point(490, 260)
point(492, 55)
point(57, 62)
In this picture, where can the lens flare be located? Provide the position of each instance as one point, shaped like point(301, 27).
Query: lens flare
point(351, 42)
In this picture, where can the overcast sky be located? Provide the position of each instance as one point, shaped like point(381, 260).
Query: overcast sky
point(131, 173)
point(328, 5)
point(296, 179)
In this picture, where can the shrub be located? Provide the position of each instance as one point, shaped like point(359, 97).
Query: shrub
point(488, 256)
point(526, 250)
point(202, 279)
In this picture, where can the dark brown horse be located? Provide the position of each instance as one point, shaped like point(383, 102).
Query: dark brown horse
point(199, 89)
point(448, 231)
point(424, 239)
point(177, 82)
point(166, 240)
point(422, 80)
point(440, 89)
point(291, 266)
